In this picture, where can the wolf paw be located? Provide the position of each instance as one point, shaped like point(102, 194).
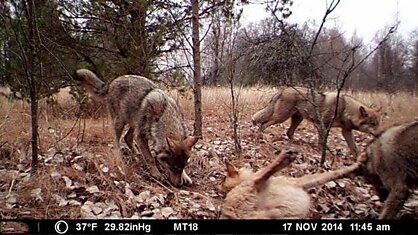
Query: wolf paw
point(185, 179)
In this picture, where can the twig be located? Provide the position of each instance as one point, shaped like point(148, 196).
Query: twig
point(115, 189)
point(12, 184)
point(72, 128)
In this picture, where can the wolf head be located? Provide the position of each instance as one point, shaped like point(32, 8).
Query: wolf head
point(234, 177)
point(173, 158)
point(367, 120)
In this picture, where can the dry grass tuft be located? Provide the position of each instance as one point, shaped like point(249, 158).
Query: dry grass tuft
point(60, 130)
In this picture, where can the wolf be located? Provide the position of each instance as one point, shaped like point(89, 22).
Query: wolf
point(261, 196)
point(391, 165)
point(136, 102)
point(297, 103)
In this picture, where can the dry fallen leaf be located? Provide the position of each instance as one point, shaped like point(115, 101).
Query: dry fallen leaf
point(93, 189)
point(68, 182)
point(60, 200)
point(78, 167)
point(37, 194)
point(167, 211)
point(210, 205)
point(86, 211)
point(143, 196)
point(330, 184)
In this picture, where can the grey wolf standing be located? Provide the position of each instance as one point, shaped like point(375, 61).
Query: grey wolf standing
point(391, 165)
point(137, 102)
point(296, 103)
point(260, 196)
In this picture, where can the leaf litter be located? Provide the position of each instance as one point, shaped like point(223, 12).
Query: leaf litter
point(90, 182)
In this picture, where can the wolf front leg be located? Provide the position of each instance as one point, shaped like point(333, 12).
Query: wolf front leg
point(394, 202)
point(143, 146)
point(398, 189)
point(295, 121)
point(129, 138)
point(348, 136)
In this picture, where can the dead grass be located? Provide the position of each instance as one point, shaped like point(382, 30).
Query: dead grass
point(396, 108)
point(217, 100)
point(61, 130)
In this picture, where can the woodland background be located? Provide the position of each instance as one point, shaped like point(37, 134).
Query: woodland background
point(153, 38)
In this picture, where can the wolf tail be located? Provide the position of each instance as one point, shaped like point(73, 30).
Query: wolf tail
point(265, 114)
point(93, 85)
point(262, 115)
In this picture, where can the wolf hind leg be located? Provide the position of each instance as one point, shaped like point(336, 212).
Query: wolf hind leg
point(309, 181)
point(118, 125)
point(295, 121)
point(284, 159)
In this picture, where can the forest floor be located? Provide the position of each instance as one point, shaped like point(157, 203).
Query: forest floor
point(80, 175)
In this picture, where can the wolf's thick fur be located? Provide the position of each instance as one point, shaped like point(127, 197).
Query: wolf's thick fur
point(137, 102)
point(392, 166)
point(296, 103)
point(260, 196)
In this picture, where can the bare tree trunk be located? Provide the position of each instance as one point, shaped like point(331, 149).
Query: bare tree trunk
point(30, 74)
point(216, 36)
point(197, 77)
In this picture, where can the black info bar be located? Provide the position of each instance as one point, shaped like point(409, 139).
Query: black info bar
point(128, 226)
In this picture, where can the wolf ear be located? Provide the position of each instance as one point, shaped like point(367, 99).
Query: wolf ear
point(376, 107)
point(171, 144)
point(362, 157)
point(231, 170)
point(363, 112)
point(190, 141)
